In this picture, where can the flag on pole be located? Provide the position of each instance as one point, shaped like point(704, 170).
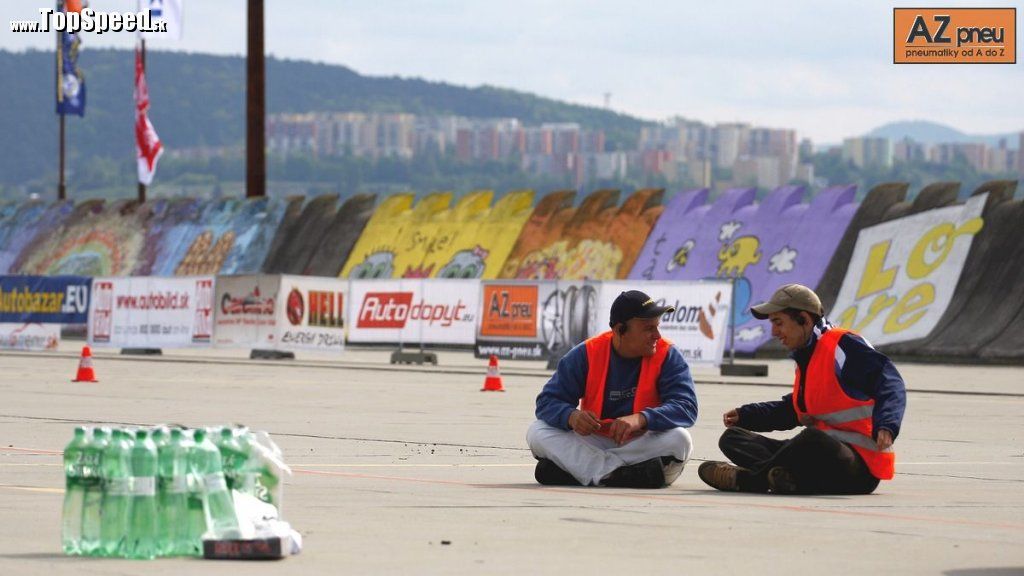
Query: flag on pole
point(70, 80)
point(147, 144)
point(169, 11)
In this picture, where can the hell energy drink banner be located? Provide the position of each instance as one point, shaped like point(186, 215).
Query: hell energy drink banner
point(310, 313)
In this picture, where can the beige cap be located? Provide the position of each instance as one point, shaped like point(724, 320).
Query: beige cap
point(795, 296)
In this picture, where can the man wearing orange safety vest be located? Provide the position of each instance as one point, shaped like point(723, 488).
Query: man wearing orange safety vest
point(615, 411)
point(848, 395)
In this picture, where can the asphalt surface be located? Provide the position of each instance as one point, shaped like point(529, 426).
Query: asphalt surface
point(413, 470)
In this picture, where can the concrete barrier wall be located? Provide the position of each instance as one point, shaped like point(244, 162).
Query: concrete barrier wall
point(760, 245)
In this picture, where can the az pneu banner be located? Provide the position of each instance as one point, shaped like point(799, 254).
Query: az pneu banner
point(311, 313)
point(432, 311)
point(698, 327)
point(246, 311)
point(151, 312)
point(534, 319)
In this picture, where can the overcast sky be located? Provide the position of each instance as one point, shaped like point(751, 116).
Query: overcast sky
point(822, 67)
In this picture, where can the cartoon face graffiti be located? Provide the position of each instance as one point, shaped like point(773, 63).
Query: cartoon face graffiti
point(680, 257)
point(380, 264)
point(738, 255)
point(465, 264)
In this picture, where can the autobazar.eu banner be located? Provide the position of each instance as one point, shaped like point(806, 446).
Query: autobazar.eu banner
point(44, 299)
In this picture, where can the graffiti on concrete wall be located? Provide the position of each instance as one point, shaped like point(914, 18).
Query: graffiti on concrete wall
point(435, 239)
point(597, 241)
point(903, 272)
point(97, 239)
point(759, 246)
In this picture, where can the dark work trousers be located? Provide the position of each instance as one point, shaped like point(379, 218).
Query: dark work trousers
point(819, 463)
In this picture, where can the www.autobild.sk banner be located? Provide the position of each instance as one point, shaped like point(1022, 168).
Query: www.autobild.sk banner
point(152, 311)
point(44, 299)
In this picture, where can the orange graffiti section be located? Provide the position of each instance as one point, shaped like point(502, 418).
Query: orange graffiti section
point(597, 241)
point(205, 256)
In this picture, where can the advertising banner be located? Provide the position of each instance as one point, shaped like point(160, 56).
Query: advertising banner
point(903, 272)
point(151, 312)
point(430, 311)
point(246, 311)
point(698, 327)
point(532, 319)
point(44, 299)
point(36, 337)
point(311, 313)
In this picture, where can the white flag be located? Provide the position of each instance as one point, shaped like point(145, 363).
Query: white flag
point(168, 11)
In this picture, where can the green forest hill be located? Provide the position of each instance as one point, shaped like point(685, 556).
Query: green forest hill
point(199, 100)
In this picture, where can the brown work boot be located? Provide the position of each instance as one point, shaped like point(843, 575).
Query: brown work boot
point(720, 475)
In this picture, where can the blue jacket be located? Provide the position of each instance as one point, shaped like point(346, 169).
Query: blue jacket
point(562, 393)
point(864, 374)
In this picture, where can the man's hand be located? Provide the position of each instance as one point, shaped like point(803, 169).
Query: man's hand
point(731, 418)
point(584, 422)
point(624, 428)
point(884, 439)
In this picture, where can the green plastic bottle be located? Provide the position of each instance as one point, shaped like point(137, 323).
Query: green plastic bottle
point(218, 506)
point(234, 458)
point(117, 495)
point(92, 481)
point(172, 497)
point(74, 493)
point(195, 517)
point(142, 534)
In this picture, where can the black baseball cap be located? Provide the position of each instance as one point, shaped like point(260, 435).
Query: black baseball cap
point(635, 304)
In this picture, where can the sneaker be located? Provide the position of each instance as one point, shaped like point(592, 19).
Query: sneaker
point(719, 475)
point(550, 474)
point(782, 481)
point(646, 474)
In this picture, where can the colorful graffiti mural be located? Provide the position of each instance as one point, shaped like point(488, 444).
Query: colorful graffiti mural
point(433, 239)
point(915, 273)
point(759, 245)
point(597, 241)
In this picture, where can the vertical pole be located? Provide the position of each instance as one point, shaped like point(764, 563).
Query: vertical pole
point(255, 128)
point(61, 190)
point(142, 51)
point(732, 322)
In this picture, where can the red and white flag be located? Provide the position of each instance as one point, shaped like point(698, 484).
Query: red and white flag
point(147, 144)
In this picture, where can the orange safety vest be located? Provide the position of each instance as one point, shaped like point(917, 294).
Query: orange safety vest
point(599, 352)
point(841, 417)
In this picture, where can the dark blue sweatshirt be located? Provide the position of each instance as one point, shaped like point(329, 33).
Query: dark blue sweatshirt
point(863, 372)
point(562, 394)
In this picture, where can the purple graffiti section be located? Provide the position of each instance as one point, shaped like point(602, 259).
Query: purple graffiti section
point(762, 245)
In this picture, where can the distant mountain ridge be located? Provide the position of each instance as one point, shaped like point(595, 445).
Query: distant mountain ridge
point(935, 133)
point(199, 100)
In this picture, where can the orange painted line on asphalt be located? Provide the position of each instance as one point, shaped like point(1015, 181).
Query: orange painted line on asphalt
point(671, 498)
point(33, 489)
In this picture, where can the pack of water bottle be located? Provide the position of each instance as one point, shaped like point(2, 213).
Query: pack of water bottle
point(165, 491)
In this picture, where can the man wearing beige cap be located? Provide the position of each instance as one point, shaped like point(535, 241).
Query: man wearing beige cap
point(849, 397)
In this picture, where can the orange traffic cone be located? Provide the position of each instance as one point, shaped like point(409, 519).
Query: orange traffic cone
point(85, 370)
point(493, 381)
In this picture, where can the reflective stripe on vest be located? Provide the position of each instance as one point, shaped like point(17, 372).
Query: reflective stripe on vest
point(599, 352)
point(834, 412)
